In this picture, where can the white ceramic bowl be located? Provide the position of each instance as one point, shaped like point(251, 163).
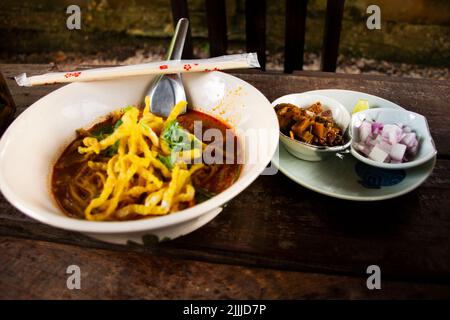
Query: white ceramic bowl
point(415, 121)
point(307, 151)
point(34, 141)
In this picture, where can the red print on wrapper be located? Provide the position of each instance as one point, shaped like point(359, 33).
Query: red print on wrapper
point(163, 67)
point(72, 74)
point(187, 67)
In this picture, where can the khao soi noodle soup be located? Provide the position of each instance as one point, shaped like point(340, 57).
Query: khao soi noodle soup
point(135, 164)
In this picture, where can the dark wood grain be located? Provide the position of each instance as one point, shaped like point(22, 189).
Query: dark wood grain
point(7, 105)
point(217, 27)
point(332, 34)
point(294, 34)
point(255, 29)
point(180, 10)
point(37, 270)
point(277, 224)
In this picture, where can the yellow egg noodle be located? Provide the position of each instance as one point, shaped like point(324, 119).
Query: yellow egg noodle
point(136, 171)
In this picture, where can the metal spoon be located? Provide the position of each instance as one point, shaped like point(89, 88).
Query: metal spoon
point(167, 89)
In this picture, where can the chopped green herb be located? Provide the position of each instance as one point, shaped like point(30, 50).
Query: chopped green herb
point(178, 138)
point(146, 127)
point(168, 161)
point(118, 124)
point(102, 132)
point(201, 195)
point(99, 136)
point(112, 150)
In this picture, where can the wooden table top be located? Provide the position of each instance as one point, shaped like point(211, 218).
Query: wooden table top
point(275, 240)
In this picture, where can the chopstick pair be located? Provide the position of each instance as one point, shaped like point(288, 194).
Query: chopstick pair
point(235, 61)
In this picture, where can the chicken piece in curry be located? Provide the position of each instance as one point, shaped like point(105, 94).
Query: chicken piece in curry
point(312, 125)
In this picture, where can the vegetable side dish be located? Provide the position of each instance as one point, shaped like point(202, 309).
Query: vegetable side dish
point(311, 125)
point(391, 143)
point(136, 164)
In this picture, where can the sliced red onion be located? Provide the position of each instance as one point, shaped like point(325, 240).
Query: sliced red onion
point(377, 154)
point(392, 132)
point(398, 151)
point(387, 143)
point(363, 148)
point(365, 130)
point(377, 128)
point(371, 142)
point(379, 139)
point(409, 139)
point(385, 146)
point(413, 150)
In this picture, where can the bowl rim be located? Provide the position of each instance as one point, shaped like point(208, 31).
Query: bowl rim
point(110, 227)
point(393, 166)
point(308, 145)
point(318, 148)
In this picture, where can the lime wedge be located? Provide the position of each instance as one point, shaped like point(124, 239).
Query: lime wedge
point(361, 105)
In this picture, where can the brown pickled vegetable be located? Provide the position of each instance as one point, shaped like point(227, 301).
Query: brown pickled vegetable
point(311, 125)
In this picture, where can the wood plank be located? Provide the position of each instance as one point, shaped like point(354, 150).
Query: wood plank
point(217, 27)
point(255, 29)
point(7, 105)
point(294, 35)
point(180, 10)
point(37, 270)
point(332, 34)
point(25, 96)
point(277, 224)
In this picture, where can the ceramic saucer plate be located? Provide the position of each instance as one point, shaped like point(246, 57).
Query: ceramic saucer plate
point(349, 178)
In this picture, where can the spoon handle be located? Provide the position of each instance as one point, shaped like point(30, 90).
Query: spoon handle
point(176, 45)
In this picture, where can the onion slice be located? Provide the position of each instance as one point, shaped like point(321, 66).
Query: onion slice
point(392, 143)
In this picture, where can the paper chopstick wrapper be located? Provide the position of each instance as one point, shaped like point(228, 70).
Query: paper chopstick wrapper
point(235, 61)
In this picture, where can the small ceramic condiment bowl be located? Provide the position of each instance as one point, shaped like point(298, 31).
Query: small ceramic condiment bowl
point(415, 121)
point(306, 151)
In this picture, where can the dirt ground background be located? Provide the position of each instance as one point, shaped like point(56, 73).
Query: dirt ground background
point(414, 40)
